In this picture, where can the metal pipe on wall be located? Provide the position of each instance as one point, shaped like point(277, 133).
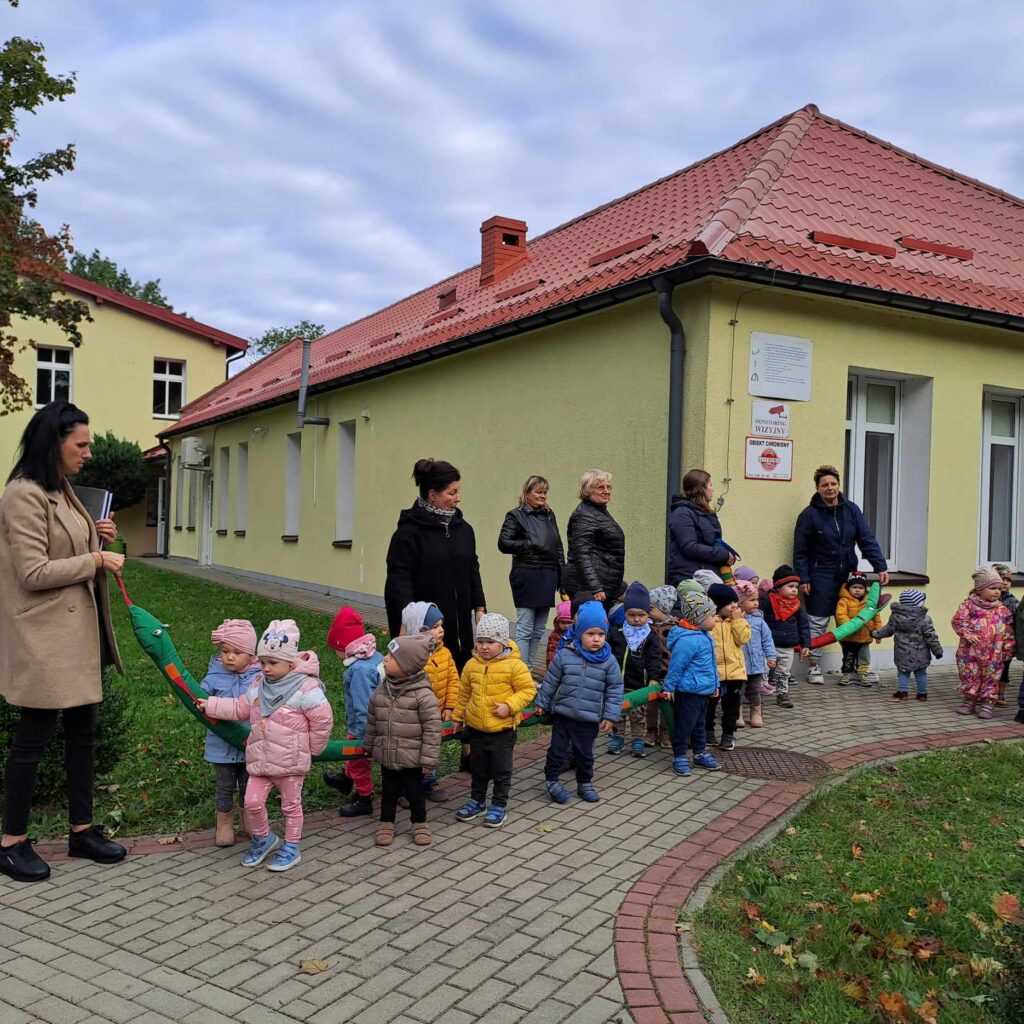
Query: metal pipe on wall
point(676, 364)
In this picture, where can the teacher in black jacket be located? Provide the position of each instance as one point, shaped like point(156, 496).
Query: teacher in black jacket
point(597, 545)
point(530, 535)
point(432, 557)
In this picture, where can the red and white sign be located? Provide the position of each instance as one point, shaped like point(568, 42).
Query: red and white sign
point(769, 419)
point(769, 458)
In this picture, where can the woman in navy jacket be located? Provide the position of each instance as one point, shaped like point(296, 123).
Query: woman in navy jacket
point(827, 533)
point(695, 535)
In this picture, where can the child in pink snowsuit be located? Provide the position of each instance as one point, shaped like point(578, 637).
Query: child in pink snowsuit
point(986, 643)
point(290, 720)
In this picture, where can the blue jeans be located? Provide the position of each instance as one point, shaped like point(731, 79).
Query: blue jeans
point(920, 677)
point(689, 713)
point(531, 624)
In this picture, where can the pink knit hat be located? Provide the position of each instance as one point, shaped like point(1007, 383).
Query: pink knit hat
point(744, 589)
point(280, 640)
point(239, 633)
point(564, 611)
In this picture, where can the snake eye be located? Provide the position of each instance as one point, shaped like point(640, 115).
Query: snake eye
point(157, 632)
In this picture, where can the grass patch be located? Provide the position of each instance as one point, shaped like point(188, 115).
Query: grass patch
point(163, 785)
point(885, 900)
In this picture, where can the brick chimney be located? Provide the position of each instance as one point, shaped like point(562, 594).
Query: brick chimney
point(502, 248)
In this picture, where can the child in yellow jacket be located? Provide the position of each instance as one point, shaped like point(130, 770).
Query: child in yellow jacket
point(496, 686)
point(426, 617)
point(853, 596)
point(731, 632)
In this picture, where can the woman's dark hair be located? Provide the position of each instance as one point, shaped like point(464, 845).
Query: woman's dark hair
point(822, 471)
point(434, 476)
point(39, 452)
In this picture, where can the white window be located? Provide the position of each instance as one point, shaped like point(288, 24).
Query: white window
point(179, 496)
point(168, 388)
point(242, 488)
point(222, 484)
point(53, 375)
point(292, 484)
point(346, 503)
point(1001, 491)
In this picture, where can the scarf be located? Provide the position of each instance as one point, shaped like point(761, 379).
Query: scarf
point(274, 695)
point(784, 607)
point(595, 657)
point(361, 649)
point(441, 513)
point(636, 635)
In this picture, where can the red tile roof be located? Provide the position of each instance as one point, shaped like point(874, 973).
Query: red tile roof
point(107, 296)
point(764, 201)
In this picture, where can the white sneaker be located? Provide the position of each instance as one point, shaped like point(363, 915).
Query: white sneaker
point(815, 676)
point(872, 677)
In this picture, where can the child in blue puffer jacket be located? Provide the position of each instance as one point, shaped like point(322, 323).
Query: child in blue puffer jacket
point(230, 674)
point(583, 691)
point(692, 681)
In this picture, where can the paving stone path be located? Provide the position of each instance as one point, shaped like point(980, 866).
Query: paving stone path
point(511, 926)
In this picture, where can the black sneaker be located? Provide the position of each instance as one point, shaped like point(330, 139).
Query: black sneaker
point(22, 863)
point(92, 844)
point(1019, 717)
point(783, 701)
point(356, 806)
point(921, 696)
point(436, 795)
point(339, 781)
point(727, 742)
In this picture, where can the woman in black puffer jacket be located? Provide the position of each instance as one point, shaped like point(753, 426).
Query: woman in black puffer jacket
point(597, 545)
point(530, 535)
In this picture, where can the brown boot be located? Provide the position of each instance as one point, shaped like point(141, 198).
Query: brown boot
point(421, 834)
point(385, 834)
point(740, 724)
point(225, 834)
point(756, 718)
point(243, 823)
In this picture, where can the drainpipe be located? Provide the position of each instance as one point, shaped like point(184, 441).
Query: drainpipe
point(167, 500)
point(303, 420)
point(676, 361)
point(230, 360)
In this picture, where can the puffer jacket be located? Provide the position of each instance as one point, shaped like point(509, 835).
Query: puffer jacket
point(729, 636)
point(692, 665)
point(639, 668)
point(444, 677)
point(361, 679)
point(585, 691)
point(849, 608)
point(597, 551)
point(485, 684)
point(285, 742)
point(985, 631)
point(219, 682)
point(531, 537)
point(1018, 630)
point(915, 637)
point(693, 532)
point(760, 648)
point(403, 727)
point(792, 632)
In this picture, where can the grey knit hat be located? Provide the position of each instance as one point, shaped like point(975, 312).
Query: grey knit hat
point(493, 626)
point(410, 653)
point(706, 578)
point(664, 598)
point(696, 608)
point(986, 577)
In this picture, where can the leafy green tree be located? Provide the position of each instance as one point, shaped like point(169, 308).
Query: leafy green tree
point(117, 466)
point(278, 336)
point(31, 259)
point(101, 270)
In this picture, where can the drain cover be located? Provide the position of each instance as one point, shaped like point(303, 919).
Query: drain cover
point(771, 763)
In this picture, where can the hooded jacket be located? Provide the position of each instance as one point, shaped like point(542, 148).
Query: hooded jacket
point(485, 684)
point(849, 607)
point(361, 679)
point(692, 665)
point(582, 690)
point(985, 631)
point(597, 551)
point(431, 558)
point(915, 638)
point(639, 668)
point(403, 726)
point(691, 546)
point(219, 682)
point(729, 636)
point(760, 648)
point(792, 632)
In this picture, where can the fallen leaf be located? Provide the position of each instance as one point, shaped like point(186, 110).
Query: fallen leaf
point(924, 947)
point(966, 845)
point(814, 932)
point(858, 991)
point(946, 827)
point(168, 840)
point(808, 961)
point(754, 977)
point(858, 851)
point(767, 927)
point(897, 940)
point(683, 926)
point(313, 966)
point(790, 831)
point(168, 698)
point(1020, 842)
point(983, 966)
point(891, 769)
point(1007, 908)
point(928, 1010)
point(937, 907)
point(979, 923)
point(864, 897)
point(752, 910)
point(894, 1005)
point(816, 905)
point(545, 827)
point(912, 913)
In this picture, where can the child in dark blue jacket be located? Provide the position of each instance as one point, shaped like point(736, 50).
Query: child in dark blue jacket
point(583, 692)
point(790, 628)
point(692, 681)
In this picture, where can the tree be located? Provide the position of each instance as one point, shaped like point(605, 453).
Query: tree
point(98, 268)
point(117, 466)
point(30, 259)
point(278, 336)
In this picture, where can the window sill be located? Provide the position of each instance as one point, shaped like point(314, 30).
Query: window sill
point(290, 538)
point(177, 529)
point(190, 529)
point(1017, 579)
point(239, 533)
point(908, 579)
point(164, 416)
point(341, 543)
point(222, 533)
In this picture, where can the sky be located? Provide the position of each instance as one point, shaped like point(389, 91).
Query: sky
point(271, 162)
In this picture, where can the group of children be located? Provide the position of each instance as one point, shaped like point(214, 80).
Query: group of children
point(711, 644)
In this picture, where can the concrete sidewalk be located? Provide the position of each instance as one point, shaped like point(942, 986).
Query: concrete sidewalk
point(511, 926)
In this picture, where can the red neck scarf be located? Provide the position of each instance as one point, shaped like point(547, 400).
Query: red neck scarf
point(784, 607)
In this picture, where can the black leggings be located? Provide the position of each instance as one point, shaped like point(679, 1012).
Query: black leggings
point(35, 730)
point(407, 782)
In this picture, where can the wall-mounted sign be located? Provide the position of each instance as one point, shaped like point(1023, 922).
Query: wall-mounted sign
point(780, 367)
point(768, 458)
point(769, 419)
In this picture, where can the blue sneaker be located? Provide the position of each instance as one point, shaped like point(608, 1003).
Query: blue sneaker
point(615, 745)
point(681, 766)
point(706, 761)
point(260, 848)
point(639, 750)
point(287, 857)
point(586, 791)
point(469, 810)
point(495, 817)
point(558, 792)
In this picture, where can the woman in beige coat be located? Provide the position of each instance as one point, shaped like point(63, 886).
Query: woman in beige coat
point(55, 632)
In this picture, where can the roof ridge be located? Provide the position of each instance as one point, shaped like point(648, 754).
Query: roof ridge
point(726, 221)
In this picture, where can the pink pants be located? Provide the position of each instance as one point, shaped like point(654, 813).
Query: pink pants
point(358, 770)
point(256, 793)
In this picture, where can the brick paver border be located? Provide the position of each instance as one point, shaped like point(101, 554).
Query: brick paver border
point(647, 953)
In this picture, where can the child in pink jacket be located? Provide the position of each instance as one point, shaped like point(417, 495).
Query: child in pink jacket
point(290, 720)
point(986, 643)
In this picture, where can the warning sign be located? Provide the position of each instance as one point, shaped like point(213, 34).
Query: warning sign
point(769, 458)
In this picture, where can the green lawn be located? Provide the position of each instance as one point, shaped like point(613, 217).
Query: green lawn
point(163, 785)
point(884, 901)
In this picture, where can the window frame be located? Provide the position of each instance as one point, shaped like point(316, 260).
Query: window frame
point(167, 378)
point(293, 485)
point(242, 489)
point(1015, 398)
point(345, 494)
point(53, 368)
point(222, 485)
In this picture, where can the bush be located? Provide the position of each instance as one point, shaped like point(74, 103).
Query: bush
point(117, 466)
point(113, 738)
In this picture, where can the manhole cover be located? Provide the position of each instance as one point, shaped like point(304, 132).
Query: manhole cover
point(770, 763)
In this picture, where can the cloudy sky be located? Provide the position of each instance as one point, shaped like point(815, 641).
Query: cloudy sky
point(273, 161)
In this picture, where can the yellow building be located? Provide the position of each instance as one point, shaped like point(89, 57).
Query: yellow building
point(810, 295)
point(137, 366)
